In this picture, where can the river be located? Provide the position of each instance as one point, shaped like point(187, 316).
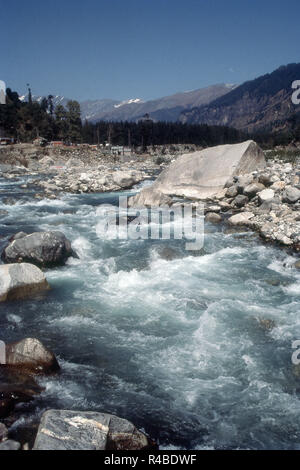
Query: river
point(179, 346)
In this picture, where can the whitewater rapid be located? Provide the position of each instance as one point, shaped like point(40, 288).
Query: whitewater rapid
point(179, 346)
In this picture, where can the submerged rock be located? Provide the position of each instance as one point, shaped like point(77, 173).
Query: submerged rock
point(297, 265)
point(31, 354)
point(77, 430)
point(44, 249)
point(18, 281)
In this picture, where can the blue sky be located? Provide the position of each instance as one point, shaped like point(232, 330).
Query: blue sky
point(143, 48)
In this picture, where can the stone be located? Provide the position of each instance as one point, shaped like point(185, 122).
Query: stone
point(149, 198)
point(10, 445)
point(18, 281)
point(213, 218)
point(47, 161)
point(17, 236)
point(231, 192)
point(203, 174)
point(291, 195)
point(241, 219)
point(125, 179)
point(3, 432)
point(265, 195)
point(278, 186)
point(297, 265)
point(44, 249)
point(252, 189)
point(243, 181)
point(77, 430)
point(265, 179)
point(31, 354)
point(240, 201)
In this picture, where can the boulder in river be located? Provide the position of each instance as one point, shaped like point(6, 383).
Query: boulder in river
point(44, 249)
point(30, 354)
point(77, 430)
point(213, 218)
point(18, 281)
point(205, 173)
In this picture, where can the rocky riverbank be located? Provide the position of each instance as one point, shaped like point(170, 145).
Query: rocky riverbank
point(267, 201)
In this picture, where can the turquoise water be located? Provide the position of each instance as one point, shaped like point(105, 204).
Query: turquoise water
point(175, 345)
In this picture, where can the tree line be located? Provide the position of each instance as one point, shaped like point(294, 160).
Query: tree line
point(26, 121)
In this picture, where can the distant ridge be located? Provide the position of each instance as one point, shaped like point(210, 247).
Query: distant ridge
point(168, 108)
point(261, 104)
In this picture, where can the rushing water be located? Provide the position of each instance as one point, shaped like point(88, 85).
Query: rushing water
point(175, 345)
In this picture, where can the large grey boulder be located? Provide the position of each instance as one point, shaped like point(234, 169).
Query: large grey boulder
point(205, 173)
point(78, 430)
point(18, 281)
point(30, 354)
point(44, 249)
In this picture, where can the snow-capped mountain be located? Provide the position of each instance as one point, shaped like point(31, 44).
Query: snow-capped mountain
point(132, 100)
point(167, 108)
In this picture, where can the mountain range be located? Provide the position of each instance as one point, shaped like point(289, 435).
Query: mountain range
point(263, 104)
point(168, 108)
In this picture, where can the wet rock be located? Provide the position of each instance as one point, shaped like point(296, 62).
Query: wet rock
point(10, 445)
point(17, 236)
point(9, 201)
point(123, 435)
point(213, 218)
point(167, 253)
point(18, 281)
point(44, 249)
point(297, 265)
point(75, 430)
point(291, 195)
point(3, 432)
point(32, 355)
point(266, 324)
